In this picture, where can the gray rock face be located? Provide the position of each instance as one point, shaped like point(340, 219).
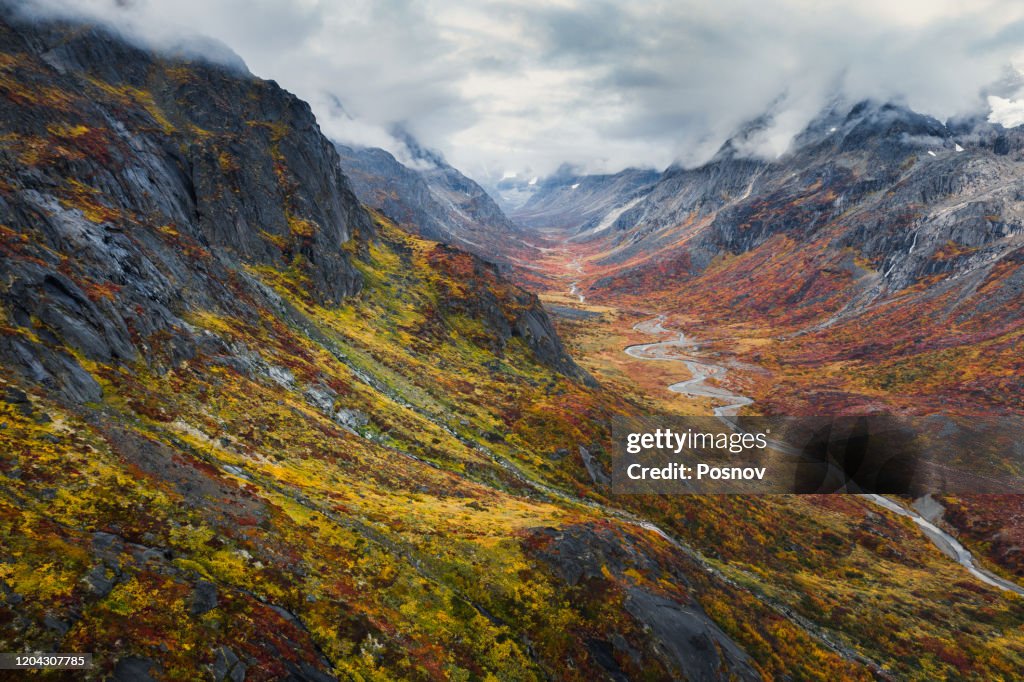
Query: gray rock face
point(695, 643)
point(168, 193)
point(584, 205)
point(98, 582)
point(352, 419)
point(594, 468)
point(227, 667)
point(680, 633)
point(134, 669)
point(436, 202)
point(204, 598)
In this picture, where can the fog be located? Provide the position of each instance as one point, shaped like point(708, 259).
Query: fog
point(523, 87)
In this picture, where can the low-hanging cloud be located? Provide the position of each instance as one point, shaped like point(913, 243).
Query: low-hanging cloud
point(501, 86)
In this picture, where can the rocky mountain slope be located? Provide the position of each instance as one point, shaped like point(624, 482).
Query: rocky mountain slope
point(584, 205)
point(877, 216)
point(250, 429)
point(436, 201)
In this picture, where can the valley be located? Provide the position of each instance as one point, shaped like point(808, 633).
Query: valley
point(594, 297)
point(728, 403)
point(276, 407)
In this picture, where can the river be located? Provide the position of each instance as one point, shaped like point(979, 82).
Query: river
point(674, 350)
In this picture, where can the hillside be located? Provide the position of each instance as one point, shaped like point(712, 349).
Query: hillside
point(436, 202)
point(584, 205)
point(252, 429)
point(879, 218)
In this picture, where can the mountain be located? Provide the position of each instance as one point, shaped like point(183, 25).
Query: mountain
point(878, 215)
point(434, 200)
point(225, 383)
point(511, 191)
point(584, 205)
point(251, 428)
point(876, 267)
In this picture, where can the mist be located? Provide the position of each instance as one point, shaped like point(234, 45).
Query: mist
point(524, 87)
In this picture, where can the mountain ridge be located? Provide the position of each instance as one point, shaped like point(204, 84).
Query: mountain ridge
point(437, 202)
point(584, 204)
point(877, 213)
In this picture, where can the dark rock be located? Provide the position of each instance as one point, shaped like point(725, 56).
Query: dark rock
point(54, 623)
point(106, 542)
point(204, 598)
point(307, 673)
point(16, 396)
point(98, 582)
point(622, 646)
point(134, 669)
point(227, 667)
point(604, 654)
point(696, 644)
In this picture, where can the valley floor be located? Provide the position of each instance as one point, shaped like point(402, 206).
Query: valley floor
point(616, 338)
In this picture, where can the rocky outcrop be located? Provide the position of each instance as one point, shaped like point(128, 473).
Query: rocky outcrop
point(678, 632)
point(136, 186)
point(507, 311)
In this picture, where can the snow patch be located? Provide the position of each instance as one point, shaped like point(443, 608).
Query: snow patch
point(613, 215)
point(931, 153)
point(533, 181)
point(575, 186)
point(958, 148)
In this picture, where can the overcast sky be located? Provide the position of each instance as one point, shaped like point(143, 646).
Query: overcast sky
point(524, 86)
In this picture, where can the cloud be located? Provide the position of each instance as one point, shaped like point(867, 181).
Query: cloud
point(1008, 112)
point(526, 86)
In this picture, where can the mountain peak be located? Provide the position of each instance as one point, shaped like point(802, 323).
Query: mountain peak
point(420, 156)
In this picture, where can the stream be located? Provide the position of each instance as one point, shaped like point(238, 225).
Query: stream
point(674, 350)
point(574, 288)
point(699, 370)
